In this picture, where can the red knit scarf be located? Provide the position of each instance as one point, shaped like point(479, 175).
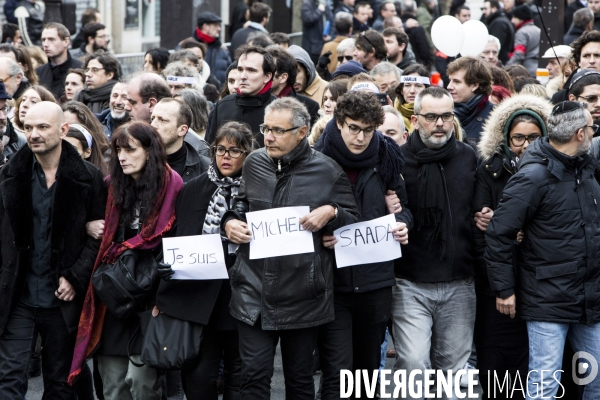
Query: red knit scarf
point(160, 221)
point(204, 37)
point(265, 89)
point(285, 92)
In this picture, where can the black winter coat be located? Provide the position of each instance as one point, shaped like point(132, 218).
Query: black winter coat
point(557, 208)
point(235, 107)
point(15, 141)
point(53, 78)
point(198, 301)
point(418, 263)
point(369, 194)
point(313, 25)
point(295, 291)
point(492, 176)
point(195, 164)
point(499, 26)
point(80, 197)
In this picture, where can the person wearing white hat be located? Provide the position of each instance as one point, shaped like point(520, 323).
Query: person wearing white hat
point(557, 56)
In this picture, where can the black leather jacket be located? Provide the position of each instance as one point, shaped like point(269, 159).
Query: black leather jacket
point(295, 291)
point(195, 164)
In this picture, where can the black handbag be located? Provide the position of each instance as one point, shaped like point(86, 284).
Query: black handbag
point(124, 285)
point(170, 343)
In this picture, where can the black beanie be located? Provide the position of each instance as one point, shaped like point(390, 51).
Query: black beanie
point(523, 12)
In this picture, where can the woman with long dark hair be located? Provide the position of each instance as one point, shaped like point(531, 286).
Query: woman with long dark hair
point(202, 204)
point(142, 192)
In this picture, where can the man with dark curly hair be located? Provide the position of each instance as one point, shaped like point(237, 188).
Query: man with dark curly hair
point(586, 53)
point(363, 293)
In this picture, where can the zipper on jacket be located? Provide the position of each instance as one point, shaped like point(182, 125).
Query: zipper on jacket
point(450, 213)
point(279, 165)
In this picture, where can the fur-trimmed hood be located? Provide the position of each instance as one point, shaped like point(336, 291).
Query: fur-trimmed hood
point(493, 136)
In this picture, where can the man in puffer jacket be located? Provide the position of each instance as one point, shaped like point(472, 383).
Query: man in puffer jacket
point(553, 199)
point(527, 40)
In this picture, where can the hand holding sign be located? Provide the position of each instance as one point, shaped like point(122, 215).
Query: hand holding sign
point(318, 218)
point(237, 231)
point(369, 242)
point(195, 257)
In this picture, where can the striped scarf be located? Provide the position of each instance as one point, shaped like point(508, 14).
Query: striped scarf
point(218, 204)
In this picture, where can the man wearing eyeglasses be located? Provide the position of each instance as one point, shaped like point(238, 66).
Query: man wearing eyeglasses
point(285, 299)
point(101, 74)
point(256, 69)
point(553, 286)
point(172, 119)
point(433, 306)
point(585, 88)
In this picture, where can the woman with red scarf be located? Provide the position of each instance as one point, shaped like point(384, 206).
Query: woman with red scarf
point(142, 192)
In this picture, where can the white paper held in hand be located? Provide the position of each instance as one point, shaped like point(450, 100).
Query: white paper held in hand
point(367, 242)
point(277, 232)
point(195, 257)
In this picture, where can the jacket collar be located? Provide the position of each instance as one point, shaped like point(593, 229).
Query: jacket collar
point(290, 161)
point(192, 157)
point(258, 100)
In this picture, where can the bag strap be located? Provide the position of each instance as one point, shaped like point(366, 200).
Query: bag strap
point(135, 333)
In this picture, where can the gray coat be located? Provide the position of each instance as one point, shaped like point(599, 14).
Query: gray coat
point(527, 47)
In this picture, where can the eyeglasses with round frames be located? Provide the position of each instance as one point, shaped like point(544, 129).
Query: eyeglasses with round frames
point(355, 130)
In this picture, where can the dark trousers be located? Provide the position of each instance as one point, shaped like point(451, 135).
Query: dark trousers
point(353, 340)
point(502, 347)
point(201, 381)
point(22, 328)
point(257, 349)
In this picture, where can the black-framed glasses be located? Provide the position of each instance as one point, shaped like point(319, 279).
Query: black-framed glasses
point(431, 118)
point(355, 130)
point(233, 152)
point(94, 70)
point(277, 132)
point(594, 128)
point(519, 140)
point(341, 58)
point(590, 99)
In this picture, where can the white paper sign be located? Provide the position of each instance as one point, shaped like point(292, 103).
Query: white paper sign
point(367, 242)
point(277, 232)
point(195, 257)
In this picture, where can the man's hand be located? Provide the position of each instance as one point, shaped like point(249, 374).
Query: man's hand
point(483, 218)
point(329, 241)
point(411, 23)
point(324, 60)
point(392, 202)
point(237, 231)
point(507, 306)
point(95, 228)
point(321, 7)
point(326, 38)
point(318, 218)
point(65, 291)
point(520, 236)
point(401, 233)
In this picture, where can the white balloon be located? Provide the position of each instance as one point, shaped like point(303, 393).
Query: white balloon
point(476, 38)
point(448, 35)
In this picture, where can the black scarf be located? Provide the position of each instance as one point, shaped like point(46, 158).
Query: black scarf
point(381, 149)
point(432, 191)
point(469, 110)
point(99, 94)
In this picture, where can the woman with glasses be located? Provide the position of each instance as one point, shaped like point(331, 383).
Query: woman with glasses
point(501, 342)
point(415, 78)
point(202, 204)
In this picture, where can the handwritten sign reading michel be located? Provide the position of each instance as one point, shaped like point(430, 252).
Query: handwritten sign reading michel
point(277, 232)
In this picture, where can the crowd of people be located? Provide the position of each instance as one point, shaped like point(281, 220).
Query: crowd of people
point(492, 180)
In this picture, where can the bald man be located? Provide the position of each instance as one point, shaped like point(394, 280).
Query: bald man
point(48, 194)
